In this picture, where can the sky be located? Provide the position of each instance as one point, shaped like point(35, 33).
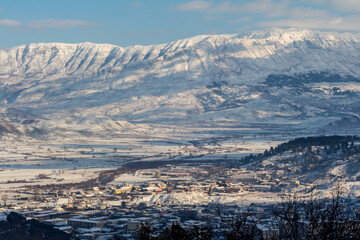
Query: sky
point(144, 22)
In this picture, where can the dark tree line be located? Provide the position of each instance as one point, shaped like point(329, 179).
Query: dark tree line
point(331, 144)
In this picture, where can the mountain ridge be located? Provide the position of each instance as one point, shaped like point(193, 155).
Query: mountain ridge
point(90, 58)
point(276, 75)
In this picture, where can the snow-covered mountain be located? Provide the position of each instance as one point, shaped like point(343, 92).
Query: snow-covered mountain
point(275, 75)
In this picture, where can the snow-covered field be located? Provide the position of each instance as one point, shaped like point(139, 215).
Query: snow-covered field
point(162, 143)
point(18, 178)
point(25, 161)
point(80, 108)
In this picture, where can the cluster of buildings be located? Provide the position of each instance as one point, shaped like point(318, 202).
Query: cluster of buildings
point(104, 212)
point(124, 221)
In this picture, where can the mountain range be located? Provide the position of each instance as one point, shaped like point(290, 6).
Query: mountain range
point(306, 78)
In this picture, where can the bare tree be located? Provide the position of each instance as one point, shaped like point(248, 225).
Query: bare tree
point(314, 218)
point(288, 216)
point(330, 218)
point(240, 225)
point(4, 198)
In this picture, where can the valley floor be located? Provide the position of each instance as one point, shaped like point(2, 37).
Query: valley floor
point(80, 162)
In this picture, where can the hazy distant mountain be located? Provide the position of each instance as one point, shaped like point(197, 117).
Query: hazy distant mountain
point(278, 75)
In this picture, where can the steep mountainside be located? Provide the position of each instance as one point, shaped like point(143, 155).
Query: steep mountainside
point(271, 76)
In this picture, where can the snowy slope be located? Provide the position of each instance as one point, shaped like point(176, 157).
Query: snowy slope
point(272, 51)
point(269, 76)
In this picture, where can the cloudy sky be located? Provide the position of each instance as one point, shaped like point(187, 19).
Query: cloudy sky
point(143, 22)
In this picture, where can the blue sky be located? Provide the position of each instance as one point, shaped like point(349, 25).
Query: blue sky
point(144, 22)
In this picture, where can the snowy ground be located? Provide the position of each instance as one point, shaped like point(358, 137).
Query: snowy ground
point(161, 143)
point(79, 158)
point(245, 198)
point(17, 178)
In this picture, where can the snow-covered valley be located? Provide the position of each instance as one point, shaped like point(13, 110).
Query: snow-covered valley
point(207, 98)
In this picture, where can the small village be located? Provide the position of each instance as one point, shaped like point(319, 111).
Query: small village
point(121, 206)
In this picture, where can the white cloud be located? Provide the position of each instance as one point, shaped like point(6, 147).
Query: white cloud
point(193, 6)
point(337, 15)
point(9, 23)
point(311, 18)
point(60, 24)
point(334, 23)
